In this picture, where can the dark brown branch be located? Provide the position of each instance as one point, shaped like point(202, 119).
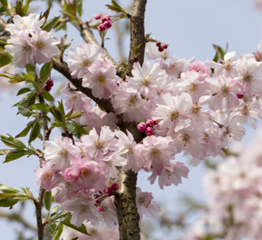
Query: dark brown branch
point(64, 70)
point(137, 34)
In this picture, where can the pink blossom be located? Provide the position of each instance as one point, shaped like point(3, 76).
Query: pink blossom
point(102, 80)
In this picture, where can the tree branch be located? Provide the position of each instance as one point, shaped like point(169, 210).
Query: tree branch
point(62, 68)
point(137, 34)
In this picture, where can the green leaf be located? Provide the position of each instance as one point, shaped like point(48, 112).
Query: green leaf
point(41, 107)
point(19, 8)
point(4, 3)
point(75, 114)
point(8, 202)
point(7, 189)
point(30, 70)
point(34, 132)
point(58, 232)
point(15, 154)
point(79, 7)
point(50, 24)
point(24, 111)
point(28, 100)
point(58, 116)
point(115, 4)
point(48, 200)
point(81, 229)
point(113, 8)
point(22, 91)
point(77, 130)
point(46, 13)
point(12, 142)
point(61, 108)
point(48, 96)
point(5, 58)
point(45, 71)
point(26, 130)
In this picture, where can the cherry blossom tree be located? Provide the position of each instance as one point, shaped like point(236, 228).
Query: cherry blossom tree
point(118, 118)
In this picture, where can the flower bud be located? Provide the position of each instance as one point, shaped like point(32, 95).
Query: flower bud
point(160, 49)
point(101, 27)
point(108, 24)
point(97, 16)
point(141, 126)
point(240, 96)
point(48, 88)
point(105, 18)
point(49, 82)
point(158, 44)
point(165, 46)
point(150, 123)
point(149, 131)
point(100, 209)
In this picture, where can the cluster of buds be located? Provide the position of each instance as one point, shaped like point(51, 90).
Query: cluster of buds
point(111, 188)
point(147, 126)
point(48, 85)
point(161, 46)
point(106, 23)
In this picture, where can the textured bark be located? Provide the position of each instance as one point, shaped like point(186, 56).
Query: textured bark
point(125, 201)
point(137, 34)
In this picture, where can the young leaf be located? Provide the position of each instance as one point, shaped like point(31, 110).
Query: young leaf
point(24, 111)
point(5, 58)
point(40, 107)
point(79, 7)
point(50, 24)
point(45, 71)
point(22, 91)
point(26, 130)
point(48, 200)
point(15, 154)
point(61, 108)
point(58, 232)
point(12, 142)
point(8, 202)
point(48, 96)
point(7, 189)
point(34, 132)
point(81, 229)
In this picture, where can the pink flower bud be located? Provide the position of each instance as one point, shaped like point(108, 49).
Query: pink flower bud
point(141, 126)
point(97, 16)
point(155, 122)
point(100, 209)
point(115, 186)
point(48, 88)
point(105, 18)
point(149, 131)
point(240, 96)
point(49, 82)
point(97, 201)
point(109, 190)
point(108, 24)
point(165, 46)
point(150, 123)
point(101, 27)
point(160, 49)
point(158, 44)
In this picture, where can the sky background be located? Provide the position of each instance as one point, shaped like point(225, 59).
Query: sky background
point(190, 28)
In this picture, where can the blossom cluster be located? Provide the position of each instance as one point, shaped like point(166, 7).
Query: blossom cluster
point(234, 197)
point(199, 109)
point(198, 112)
point(28, 42)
